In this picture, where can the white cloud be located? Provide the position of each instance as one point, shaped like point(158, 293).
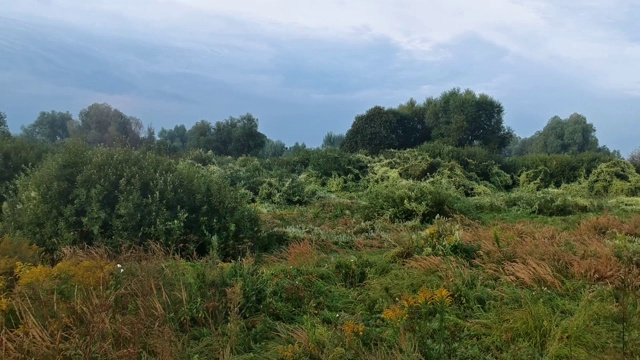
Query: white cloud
point(580, 38)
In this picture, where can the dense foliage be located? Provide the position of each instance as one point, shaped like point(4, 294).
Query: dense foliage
point(122, 197)
point(381, 129)
point(412, 236)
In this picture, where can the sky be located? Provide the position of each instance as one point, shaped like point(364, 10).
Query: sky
point(305, 68)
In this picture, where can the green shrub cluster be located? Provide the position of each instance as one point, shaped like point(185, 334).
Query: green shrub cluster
point(116, 197)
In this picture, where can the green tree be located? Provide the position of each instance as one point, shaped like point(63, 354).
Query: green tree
point(332, 140)
point(296, 150)
point(51, 126)
point(200, 136)
point(175, 139)
point(238, 137)
point(273, 149)
point(16, 155)
point(103, 125)
point(381, 129)
point(466, 119)
point(573, 135)
point(634, 159)
point(4, 127)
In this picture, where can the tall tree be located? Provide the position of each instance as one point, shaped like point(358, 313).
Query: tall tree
point(380, 129)
point(332, 140)
point(272, 149)
point(463, 118)
point(176, 139)
point(4, 127)
point(572, 135)
point(634, 159)
point(103, 125)
point(238, 136)
point(200, 136)
point(51, 126)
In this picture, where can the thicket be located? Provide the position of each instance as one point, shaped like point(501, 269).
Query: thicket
point(173, 250)
point(121, 197)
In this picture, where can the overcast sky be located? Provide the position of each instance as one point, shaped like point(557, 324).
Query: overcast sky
point(308, 67)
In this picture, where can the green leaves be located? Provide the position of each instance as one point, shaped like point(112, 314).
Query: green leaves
point(4, 127)
point(116, 197)
point(51, 126)
point(383, 129)
point(465, 119)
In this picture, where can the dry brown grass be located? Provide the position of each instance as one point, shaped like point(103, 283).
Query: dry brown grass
point(425, 263)
point(532, 273)
point(301, 253)
point(536, 254)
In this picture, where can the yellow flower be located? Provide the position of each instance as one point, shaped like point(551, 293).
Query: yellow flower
point(424, 296)
point(443, 296)
point(394, 314)
point(33, 275)
point(352, 328)
point(409, 301)
point(5, 304)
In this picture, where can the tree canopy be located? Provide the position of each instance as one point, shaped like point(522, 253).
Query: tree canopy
point(4, 126)
point(332, 140)
point(573, 135)
point(103, 125)
point(231, 137)
point(463, 118)
point(380, 129)
point(50, 126)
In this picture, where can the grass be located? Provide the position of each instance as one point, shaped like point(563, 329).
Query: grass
point(342, 288)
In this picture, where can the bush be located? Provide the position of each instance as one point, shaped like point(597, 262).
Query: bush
point(549, 202)
point(116, 197)
point(291, 191)
point(402, 200)
point(555, 170)
point(333, 162)
point(615, 178)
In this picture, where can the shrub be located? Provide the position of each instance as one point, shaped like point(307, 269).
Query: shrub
point(615, 178)
point(291, 191)
point(555, 170)
point(549, 202)
point(116, 197)
point(402, 200)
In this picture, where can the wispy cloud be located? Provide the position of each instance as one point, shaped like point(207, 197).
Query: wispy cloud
point(281, 57)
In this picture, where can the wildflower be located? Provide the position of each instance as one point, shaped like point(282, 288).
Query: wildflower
point(424, 296)
point(5, 305)
point(394, 314)
point(352, 329)
point(120, 267)
point(409, 301)
point(442, 296)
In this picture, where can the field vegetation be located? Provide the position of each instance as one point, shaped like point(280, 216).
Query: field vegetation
point(440, 242)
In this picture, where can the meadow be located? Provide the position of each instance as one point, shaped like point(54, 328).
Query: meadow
point(428, 253)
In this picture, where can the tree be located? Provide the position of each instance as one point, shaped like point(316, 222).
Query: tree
point(634, 159)
point(381, 129)
point(17, 154)
point(52, 126)
point(332, 140)
point(200, 136)
point(238, 136)
point(465, 119)
point(272, 149)
point(176, 139)
point(573, 135)
point(103, 125)
point(4, 127)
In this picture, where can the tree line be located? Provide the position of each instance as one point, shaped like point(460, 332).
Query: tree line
point(455, 118)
